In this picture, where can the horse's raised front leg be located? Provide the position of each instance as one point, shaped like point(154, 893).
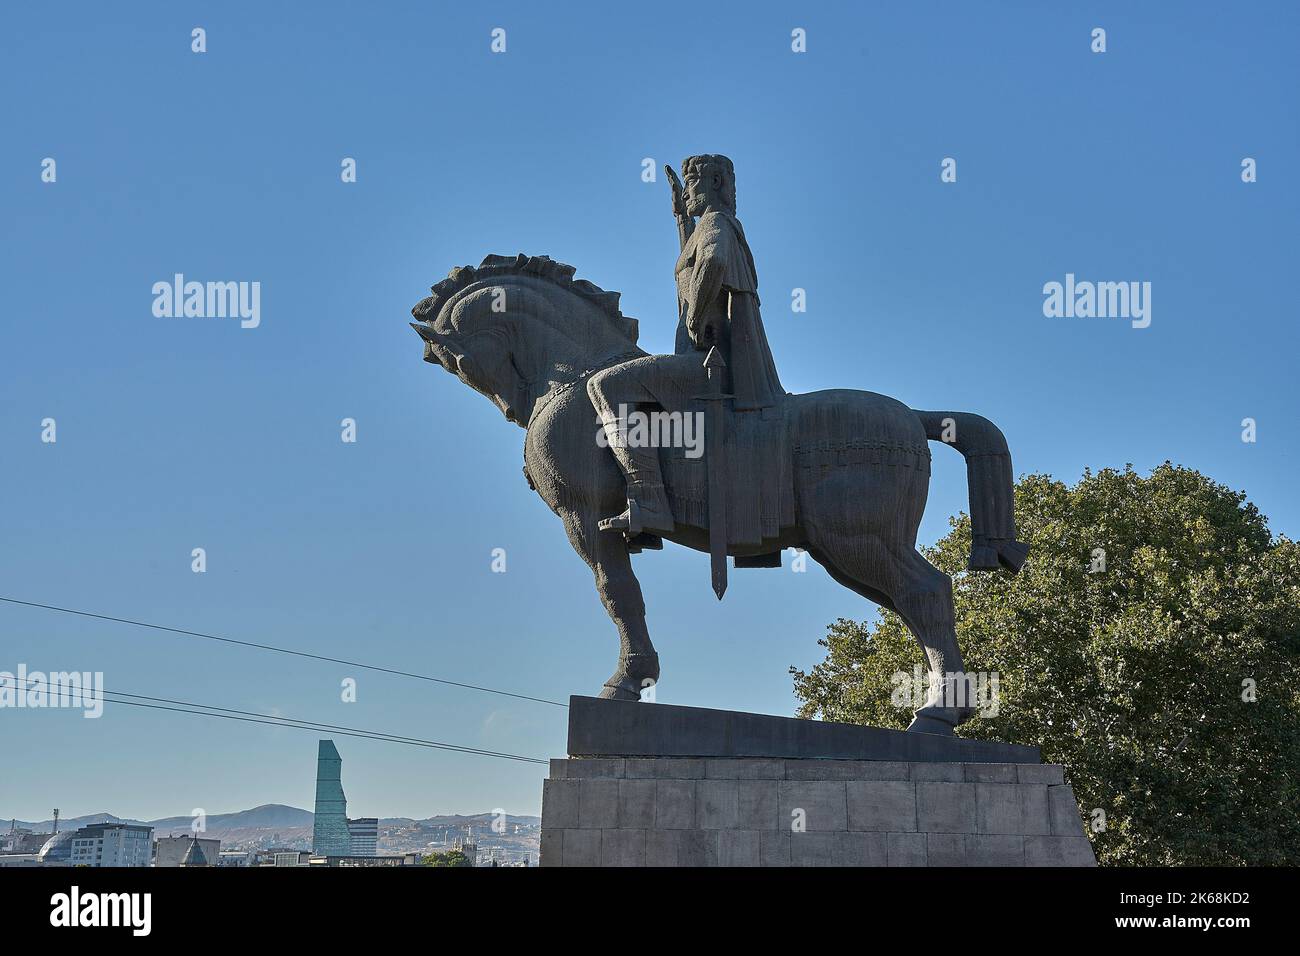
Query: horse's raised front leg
point(620, 592)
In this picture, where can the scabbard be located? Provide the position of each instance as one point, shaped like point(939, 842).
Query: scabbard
point(716, 448)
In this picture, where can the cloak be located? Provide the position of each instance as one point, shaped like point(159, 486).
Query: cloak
point(718, 236)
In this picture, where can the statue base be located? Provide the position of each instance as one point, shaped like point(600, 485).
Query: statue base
point(853, 808)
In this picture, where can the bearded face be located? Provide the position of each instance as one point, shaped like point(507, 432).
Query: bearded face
point(702, 189)
point(708, 181)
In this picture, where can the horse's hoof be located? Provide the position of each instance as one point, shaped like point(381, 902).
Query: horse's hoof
point(635, 673)
point(940, 720)
point(929, 725)
point(622, 690)
point(995, 555)
point(1012, 554)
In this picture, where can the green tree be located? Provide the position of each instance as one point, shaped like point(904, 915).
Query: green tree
point(1167, 683)
point(445, 858)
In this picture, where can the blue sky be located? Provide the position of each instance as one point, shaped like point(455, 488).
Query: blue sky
point(183, 433)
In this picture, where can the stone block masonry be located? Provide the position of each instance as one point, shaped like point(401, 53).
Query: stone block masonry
point(686, 811)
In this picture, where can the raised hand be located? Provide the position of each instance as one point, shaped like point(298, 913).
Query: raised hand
point(679, 198)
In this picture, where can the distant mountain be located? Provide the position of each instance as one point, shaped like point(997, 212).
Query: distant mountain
point(65, 823)
point(457, 820)
point(270, 816)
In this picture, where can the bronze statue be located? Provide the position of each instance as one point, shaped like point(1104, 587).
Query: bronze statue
point(842, 474)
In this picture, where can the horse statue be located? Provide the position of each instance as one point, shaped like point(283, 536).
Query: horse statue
point(854, 465)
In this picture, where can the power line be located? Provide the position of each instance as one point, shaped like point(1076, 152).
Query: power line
point(293, 723)
point(345, 733)
point(317, 725)
point(282, 650)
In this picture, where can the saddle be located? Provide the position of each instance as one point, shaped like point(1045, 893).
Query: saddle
point(759, 482)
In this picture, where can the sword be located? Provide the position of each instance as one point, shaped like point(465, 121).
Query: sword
point(716, 450)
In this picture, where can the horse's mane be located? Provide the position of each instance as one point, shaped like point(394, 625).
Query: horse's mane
point(539, 267)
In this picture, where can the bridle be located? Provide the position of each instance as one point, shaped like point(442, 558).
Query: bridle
point(562, 387)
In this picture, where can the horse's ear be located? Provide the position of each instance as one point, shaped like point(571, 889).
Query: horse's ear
point(429, 337)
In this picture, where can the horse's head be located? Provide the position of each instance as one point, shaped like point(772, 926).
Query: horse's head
point(515, 325)
point(477, 343)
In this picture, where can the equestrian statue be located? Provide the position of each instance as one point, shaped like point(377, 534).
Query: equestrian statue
point(841, 474)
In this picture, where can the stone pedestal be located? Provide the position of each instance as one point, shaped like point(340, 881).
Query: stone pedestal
point(775, 809)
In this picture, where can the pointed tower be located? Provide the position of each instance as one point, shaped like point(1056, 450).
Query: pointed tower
point(330, 835)
point(194, 855)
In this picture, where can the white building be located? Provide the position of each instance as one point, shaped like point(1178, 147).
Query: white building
point(112, 844)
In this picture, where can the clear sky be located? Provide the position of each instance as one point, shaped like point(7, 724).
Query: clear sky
point(176, 433)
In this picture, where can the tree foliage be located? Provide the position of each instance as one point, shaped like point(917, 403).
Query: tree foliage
point(451, 857)
point(1167, 683)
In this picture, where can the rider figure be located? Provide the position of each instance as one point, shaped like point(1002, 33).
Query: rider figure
point(717, 301)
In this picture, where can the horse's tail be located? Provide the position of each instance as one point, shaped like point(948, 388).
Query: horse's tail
point(992, 493)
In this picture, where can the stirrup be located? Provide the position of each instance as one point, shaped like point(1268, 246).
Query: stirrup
point(645, 541)
point(632, 522)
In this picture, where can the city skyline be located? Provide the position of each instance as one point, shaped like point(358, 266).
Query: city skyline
point(333, 831)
